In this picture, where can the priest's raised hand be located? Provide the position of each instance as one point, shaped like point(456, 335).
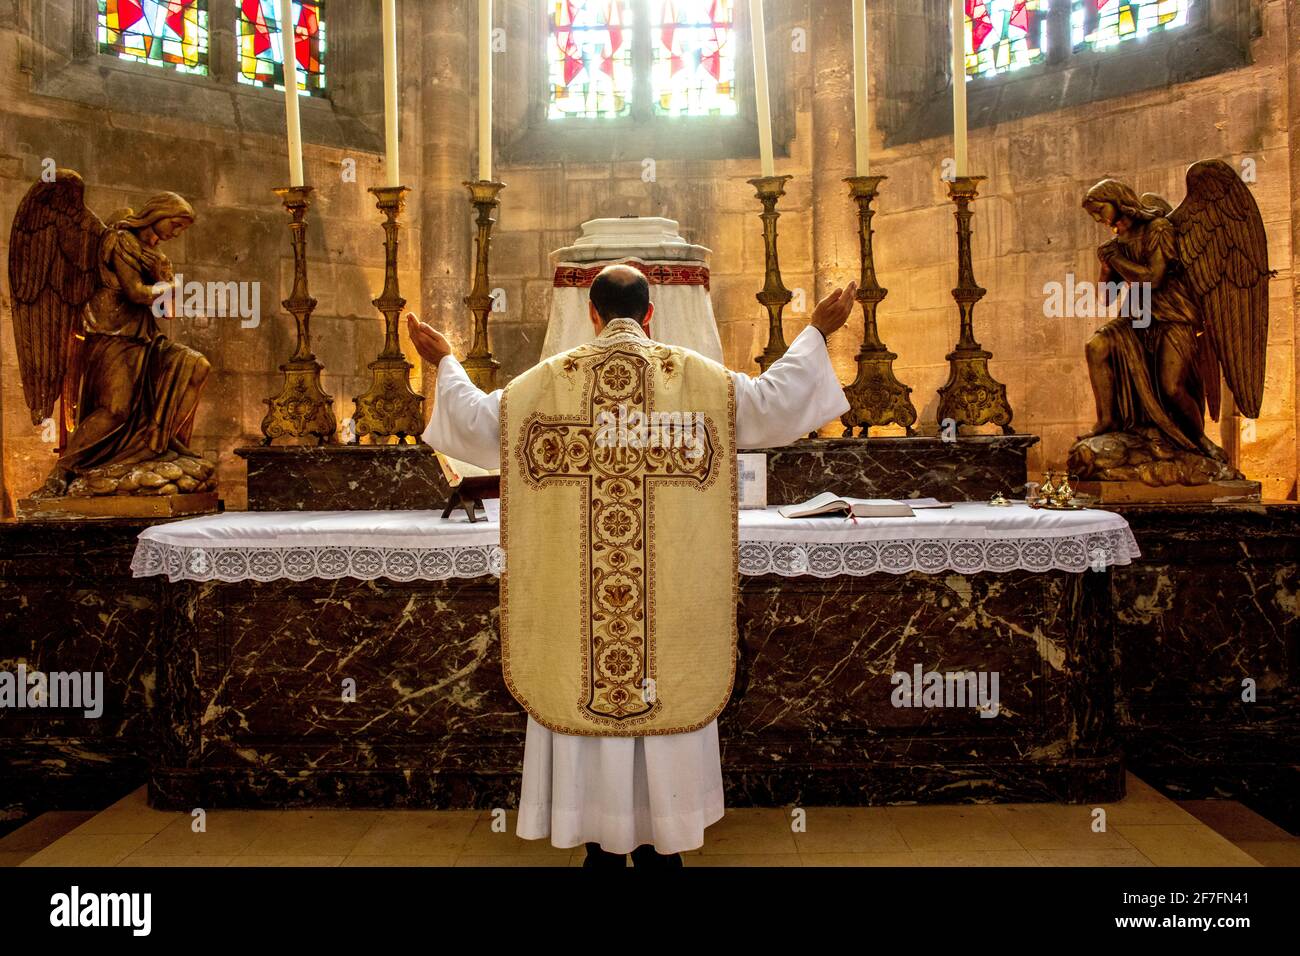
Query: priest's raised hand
point(833, 311)
point(428, 341)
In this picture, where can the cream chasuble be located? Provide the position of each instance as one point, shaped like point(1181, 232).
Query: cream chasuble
point(663, 789)
point(618, 505)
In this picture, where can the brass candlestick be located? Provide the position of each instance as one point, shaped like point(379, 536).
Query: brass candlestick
point(876, 396)
point(302, 414)
point(971, 396)
point(390, 409)
point(479, 364)
point(775, 296)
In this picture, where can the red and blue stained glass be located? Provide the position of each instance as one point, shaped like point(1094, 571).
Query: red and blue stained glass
point(1004, 35)
point(1098, 24)
point(171, 33)
point(693, 69)
point(590, 58)
point(258, 35)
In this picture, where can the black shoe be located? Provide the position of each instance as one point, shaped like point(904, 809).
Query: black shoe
point(644, 857)
point(598, 859)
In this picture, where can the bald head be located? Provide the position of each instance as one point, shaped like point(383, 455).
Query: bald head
point(620, 292)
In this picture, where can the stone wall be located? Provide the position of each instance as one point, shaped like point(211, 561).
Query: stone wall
point(1293, 139)
point(131, 131)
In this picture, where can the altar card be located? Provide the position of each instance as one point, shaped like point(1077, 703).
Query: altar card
point(751, 480)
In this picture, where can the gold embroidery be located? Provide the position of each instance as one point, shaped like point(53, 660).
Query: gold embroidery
point(616, 474)
point(547, 646)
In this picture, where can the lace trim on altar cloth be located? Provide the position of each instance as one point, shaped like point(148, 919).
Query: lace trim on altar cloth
point(304, 563)
point(1077, 552)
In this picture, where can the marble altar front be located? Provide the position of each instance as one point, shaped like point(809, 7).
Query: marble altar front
point(1211, 602)
point(259, 651)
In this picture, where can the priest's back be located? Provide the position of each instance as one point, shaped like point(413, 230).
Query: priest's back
point(618, 520)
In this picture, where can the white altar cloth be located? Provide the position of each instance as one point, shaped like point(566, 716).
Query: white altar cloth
point(967, 538)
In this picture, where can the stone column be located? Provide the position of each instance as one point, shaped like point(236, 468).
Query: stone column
point(835, 244)
point(447, 119)
point(1293, 130)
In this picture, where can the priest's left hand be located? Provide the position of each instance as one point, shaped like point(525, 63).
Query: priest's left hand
point(428, 341)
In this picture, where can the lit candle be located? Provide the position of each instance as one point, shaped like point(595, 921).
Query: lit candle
point(761, 99)
point(290, 61)
point(485, 90)
point(959, 84)
point(390, 93)
point(861, 108)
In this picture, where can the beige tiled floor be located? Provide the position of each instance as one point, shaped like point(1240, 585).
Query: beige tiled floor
point(1145, 829)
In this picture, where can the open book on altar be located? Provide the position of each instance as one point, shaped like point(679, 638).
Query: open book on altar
point(829, 503)
point(456, 471)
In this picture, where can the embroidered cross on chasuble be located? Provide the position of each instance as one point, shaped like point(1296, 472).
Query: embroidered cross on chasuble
point(618, 519)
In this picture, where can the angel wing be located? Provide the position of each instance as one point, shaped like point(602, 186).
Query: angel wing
point(53, 253)
point(1223, 248)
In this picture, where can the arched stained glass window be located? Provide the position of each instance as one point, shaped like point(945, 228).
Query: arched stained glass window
point(1007, 35)
point(170, 33)
point(258, 34)
point(611, 58)
point(590, 58)
point(1004, 35)
point(1098, 24)
point(694, 68)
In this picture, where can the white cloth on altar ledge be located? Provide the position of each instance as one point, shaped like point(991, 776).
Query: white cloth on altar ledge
point(623, 792)
point(678, 274)
point(683, 316)
point(969, 537)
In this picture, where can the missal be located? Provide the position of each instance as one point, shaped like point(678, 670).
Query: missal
point(456, 470)
point(829, 503)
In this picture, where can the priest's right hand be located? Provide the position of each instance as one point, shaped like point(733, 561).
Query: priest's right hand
point(428, 341)
point(834, 310)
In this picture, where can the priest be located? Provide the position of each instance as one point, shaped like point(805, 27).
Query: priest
point(618, 520)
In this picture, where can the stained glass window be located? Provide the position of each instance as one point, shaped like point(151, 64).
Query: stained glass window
point(258, 34)
point(1098, 24)
point(1004, 35)
point(162, 32)
point(590, 58)
point(693, 71)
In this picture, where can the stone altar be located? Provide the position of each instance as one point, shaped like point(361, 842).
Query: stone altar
point(68, 602)
point(440, 730)
point(343, 477)
point(1212, 599)
point(969, 468)
point(258, 646)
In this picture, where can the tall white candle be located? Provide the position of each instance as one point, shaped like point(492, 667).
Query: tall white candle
point(292, 119)
point(390, 94)
point(959, 85)
point(861, 106)
point(485, 89)
point(761, 99)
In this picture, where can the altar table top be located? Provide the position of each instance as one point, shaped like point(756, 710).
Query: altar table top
point(967, 538)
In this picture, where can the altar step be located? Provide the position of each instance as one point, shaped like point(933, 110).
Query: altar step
point(1144, 829)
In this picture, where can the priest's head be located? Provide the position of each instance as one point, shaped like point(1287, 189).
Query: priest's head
point(620, 292)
